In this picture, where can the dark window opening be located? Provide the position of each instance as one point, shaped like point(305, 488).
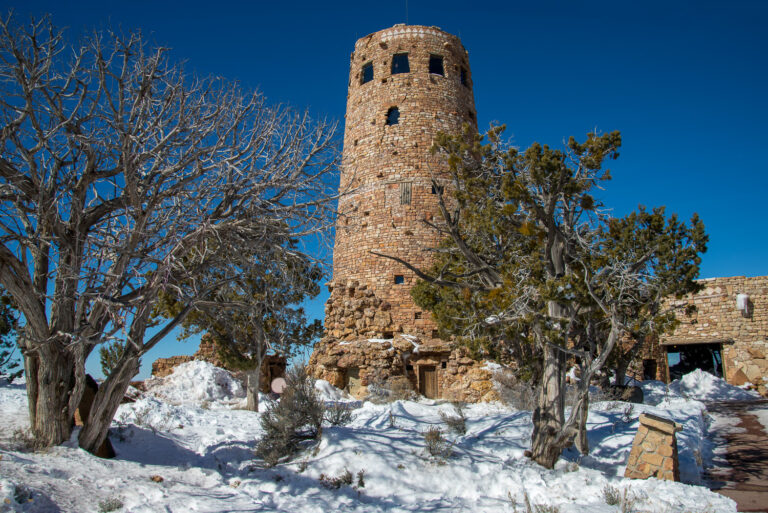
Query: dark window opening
point(436, 65)
point(417, 315)
point(405, 193)
point(393, 116)
point(400, 63)
point(463, 77)
point(686, 358)
point(367, 73)
point(649, 369)
point(437, 188)
point(471, 115)
point(409, 367)
point(443, 364)
point(399, 279)
point(435, 333)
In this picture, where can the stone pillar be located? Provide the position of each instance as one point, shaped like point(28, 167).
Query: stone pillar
point(654, 451)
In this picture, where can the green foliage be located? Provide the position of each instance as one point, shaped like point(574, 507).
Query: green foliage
point(531, 233)
point(9, 365)
point(295, 418)
point(109, 355)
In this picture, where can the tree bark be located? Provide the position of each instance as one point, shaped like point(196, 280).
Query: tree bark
point(50, 386)
point(252, 388)
point(582, 442)
point(549, 415)
point(106, 402)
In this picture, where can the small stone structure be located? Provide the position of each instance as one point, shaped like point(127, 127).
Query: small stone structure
point(737, 336)
point(272, 367)
point(654, 450)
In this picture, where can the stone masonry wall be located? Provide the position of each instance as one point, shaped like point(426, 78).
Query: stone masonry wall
point(717, 319)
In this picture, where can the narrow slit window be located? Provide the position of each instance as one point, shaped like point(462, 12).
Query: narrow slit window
point(436, 65)
point(367, 73)
point(399, 279)
point(405, 193)
point(393, 116)
point(463, 77)
point(417, 315)
point(400, 63)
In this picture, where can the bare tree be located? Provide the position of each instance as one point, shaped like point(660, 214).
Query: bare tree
point(534, 269)
point(121, 178)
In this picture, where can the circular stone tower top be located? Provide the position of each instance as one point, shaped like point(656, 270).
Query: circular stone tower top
point(406, 84)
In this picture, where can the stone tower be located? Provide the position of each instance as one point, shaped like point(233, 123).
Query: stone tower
point(406, 84)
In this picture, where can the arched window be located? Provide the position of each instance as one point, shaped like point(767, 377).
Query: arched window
point(393, 116)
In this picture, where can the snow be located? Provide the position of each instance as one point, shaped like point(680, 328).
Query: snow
point(191, 434)
point(703, 386)
point(196, 382)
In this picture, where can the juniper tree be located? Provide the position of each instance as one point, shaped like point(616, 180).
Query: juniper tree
point(121, 178)
point(534, 269)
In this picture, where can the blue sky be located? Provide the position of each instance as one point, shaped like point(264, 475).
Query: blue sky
point(685, 83)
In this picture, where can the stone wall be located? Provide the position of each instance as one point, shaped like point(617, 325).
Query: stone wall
point(717, 320)
point(654, 450)
point(383, 361)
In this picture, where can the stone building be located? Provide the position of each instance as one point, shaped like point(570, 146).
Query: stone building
point(727, 335)
point(406, 84)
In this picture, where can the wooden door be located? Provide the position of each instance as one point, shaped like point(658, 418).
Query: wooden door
point(428, 381)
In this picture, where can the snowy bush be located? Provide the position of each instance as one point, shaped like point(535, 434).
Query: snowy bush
point(514, 392)
point(394, 388)
point(338, 414)
point(111, 504)
point(296, 417)
point(458, 422)
point(436, 444)
point(334, 483)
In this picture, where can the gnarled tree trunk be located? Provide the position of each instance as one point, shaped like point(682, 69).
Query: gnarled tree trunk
point(50, 385)
point(549, 415)
point(253, 377)
point(106, 402)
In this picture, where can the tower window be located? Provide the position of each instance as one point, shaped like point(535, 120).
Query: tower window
point(399, 279)
point(367, 74)
point(436, 65)
point(437, 188)
point(417, 315)
point(393, 116)
point(463, 77)
point(400, 63)
point(405, 193)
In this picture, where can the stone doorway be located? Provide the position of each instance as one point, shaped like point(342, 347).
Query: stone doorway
point(353, 384)
point(428, 381)
point(686, 358)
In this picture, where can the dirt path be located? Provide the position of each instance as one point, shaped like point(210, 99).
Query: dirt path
point(744, 475)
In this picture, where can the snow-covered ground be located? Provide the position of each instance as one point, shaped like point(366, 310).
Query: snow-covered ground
point(186, 447)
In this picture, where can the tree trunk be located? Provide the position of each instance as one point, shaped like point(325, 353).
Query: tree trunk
point(621, 371)
point(50, 384)
point(582, 442)
point(549, 415)
point(106, 402)
point(252, 388)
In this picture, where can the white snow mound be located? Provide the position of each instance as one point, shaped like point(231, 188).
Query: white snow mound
point(196, 382)
point(703, 386)
point(328, 392)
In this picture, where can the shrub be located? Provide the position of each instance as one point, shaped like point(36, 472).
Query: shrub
point(436, 444)
point(338, 414)
point(611, 495)
point(111, 504)
point(394, 388)
point(458, 422)
point(343, 479)
point(26, 441)
point(514, 392)
point(295, 418)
